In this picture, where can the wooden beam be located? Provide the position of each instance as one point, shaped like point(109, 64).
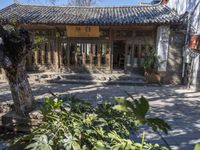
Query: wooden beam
point(63, 26)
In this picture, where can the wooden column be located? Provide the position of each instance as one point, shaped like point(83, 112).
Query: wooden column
point(84, 53)
point(56, 53)
point(61, 53)
point(68, 54)
point(76, 55)
point(125, 57)
point(110, 55)
point(111, 50)
point(91, 55)
point(49, 53)
point(43, 54)
point(139, 55)
point(36, 53)
point(132, 55)
point(99, 55)
point(108, 58)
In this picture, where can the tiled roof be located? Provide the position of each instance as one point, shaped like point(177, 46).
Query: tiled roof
point(127, 15)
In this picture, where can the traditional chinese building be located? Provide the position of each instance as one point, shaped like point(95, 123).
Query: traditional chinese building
point(99, 38)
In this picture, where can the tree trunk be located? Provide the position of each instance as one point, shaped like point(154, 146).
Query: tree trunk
point(20, 88)
point(15, 46)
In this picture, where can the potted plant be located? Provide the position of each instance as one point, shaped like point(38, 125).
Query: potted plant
point(151, 64)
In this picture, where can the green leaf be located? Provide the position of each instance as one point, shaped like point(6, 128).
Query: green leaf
point(143, 106)
point(158, 124)
point(41, 143)
point(121, 108)
point(99, 145)
point(122, 101)
point(197, 147)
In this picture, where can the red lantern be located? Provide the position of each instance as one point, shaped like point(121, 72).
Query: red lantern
point(195, 42)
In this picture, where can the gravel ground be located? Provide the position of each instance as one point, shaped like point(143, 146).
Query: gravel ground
point(178, 106)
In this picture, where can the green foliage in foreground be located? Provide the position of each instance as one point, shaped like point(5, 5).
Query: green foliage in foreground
point(197, 147)
point(76, 125)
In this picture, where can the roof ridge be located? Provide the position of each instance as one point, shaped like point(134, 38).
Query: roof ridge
point(68, 6)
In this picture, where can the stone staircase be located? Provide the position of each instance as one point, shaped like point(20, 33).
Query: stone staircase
point(88, 78)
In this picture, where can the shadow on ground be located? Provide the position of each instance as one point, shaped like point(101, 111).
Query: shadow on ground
point(178, 106)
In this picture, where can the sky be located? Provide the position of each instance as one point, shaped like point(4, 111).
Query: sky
point(4, 3)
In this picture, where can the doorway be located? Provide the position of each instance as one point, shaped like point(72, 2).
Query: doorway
point(118, 55)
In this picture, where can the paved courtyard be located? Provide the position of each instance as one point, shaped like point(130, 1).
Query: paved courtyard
point(178, 106)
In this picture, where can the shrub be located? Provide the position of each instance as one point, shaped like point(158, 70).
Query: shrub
point(72, 124)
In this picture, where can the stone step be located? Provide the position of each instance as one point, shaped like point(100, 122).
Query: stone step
point(126, 82)
point(98, 77)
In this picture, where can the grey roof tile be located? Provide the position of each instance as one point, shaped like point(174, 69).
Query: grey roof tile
point(127, 15)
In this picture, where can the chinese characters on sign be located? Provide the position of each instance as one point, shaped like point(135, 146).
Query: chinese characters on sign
point(82, 31)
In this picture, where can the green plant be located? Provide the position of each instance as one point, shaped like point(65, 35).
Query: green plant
point(197, 147)
point(151, 61)
point(73, 124)
point(39, 40)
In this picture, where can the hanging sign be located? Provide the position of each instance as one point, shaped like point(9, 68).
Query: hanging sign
point(82, 31)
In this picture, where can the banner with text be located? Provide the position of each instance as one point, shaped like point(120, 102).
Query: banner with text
point(82, 31)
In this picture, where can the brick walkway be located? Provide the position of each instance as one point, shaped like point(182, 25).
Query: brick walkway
point(178, 106)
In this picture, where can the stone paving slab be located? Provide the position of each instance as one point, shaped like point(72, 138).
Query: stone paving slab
point(178, 106)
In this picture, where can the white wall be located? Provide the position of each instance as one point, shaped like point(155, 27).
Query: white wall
point(162, 44)
point(181, 6)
